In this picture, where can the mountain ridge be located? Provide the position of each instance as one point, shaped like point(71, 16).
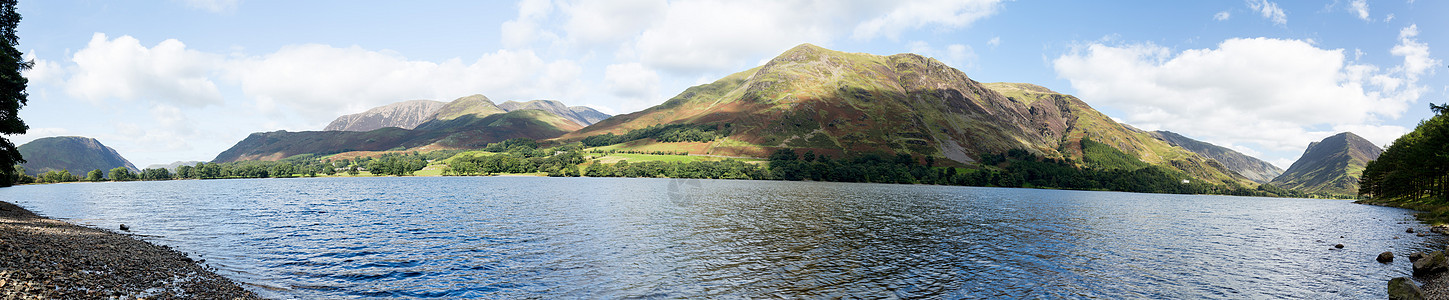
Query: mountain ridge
point(1253, 168)
point(465, 123)
point(406, 115)
point(1332, 165)
point(836, 103)
point(75, 154)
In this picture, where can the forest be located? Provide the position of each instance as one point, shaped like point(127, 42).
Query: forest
point(1413, 172)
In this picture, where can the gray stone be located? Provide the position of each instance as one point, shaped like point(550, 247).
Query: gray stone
point(1431, 263)
point(1386, 257)
point(1402, 288)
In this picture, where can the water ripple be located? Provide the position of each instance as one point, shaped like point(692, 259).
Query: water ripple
point(628, 238)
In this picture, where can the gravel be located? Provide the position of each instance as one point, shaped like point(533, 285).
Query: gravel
point(43, 258)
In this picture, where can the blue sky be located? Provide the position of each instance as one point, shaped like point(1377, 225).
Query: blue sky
point(165, 81)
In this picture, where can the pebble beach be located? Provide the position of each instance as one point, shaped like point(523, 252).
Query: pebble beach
point(42, 258)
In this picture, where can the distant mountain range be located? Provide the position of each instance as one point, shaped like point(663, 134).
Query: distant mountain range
point(410, 114)
point(464, 123)
point(583, 115)
point(1253, 168)
point(1332, 165)
point(78, 155)
point(172, 166)
point(826, 102)
point(405, 115)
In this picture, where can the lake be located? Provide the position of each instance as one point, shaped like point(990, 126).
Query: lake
point(534, 237)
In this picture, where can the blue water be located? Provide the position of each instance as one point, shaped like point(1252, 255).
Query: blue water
point(527, 237)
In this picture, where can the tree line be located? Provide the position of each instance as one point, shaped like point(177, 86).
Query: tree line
point(1413, 172)
point(668, 133)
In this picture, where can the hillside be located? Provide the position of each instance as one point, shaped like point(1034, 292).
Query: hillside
point(582, 115)
point(835, 103)
point(469, 122)
point(405, 115)
point(1332, 165)
point(72, 153)
point(1253, 168)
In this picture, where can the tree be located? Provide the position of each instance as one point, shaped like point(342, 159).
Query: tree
point(12, 90)
point(96, 175)
point(122, 174)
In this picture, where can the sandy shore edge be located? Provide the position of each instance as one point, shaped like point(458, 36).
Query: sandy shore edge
point(42, 258)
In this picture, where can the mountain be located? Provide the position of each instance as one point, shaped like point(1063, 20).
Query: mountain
point(1253, 168)
point(1332, 165)
point(835, 103)
point(582, 115)
point(475, 105)
point(172, 166)
point(405, 115)
point(465, 123)
point(78, 155)
point(589, 114)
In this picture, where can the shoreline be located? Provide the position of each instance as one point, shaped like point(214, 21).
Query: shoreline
point(47, 258)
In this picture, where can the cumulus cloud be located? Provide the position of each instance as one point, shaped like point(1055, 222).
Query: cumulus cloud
point(1280, 94)
point(1360, 8)
point(524, 31)
point(1222, 16)
point(632, 82)
point(1417, 61)
point(918, 14)
point(122, 68)
point(956, 55)
point(44, 72)
point(325, 80)
point(694, 37)
point(1269, 10)
point(995, 41)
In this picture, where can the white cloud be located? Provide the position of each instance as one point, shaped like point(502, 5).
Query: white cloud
point(327, 81)
point(37, 133)
point(995, 41)
point(1279, 94)
point(44, 72)
point(594, 22)
point(632, 82)
point(918, 14)
point(1269, 10)
point(956, 55)
point(1222, 16)
point(1360, 8)
point(1388, 18)
point(694, 37)
point(524, 30)
point(216, 6)
point(1417, 61)
point(123, 68)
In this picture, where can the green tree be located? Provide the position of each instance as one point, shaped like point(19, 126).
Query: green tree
point(96, 175)
point(12, 90)
point(122, 174)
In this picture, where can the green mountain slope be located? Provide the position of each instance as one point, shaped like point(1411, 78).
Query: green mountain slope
point(1253, 168)
point(72, 153)
point(1332, 165)
point(469, 122)
point(835, 103)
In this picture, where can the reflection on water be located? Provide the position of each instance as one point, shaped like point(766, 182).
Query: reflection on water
point(512, 237)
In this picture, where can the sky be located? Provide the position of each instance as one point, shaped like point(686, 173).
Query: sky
point(183, 80)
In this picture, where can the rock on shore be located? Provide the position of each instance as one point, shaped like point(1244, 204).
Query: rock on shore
point(42, 258)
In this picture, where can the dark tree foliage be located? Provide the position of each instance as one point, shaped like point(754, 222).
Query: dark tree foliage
point(12, 91)
point(664, 133)
point(1415, 168)
point(1015, 168)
